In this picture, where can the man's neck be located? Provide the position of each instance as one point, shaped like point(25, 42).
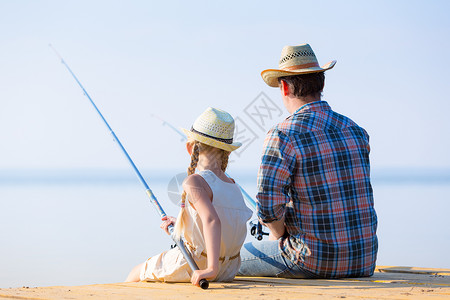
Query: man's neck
point(294, 103)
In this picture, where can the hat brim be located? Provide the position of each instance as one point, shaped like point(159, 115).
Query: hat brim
point(270, 76)
point(211, 142)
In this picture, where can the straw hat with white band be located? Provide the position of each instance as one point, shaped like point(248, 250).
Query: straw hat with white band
point(295, 60)
point(214, 127)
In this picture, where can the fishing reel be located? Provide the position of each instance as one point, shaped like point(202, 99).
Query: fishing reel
point(256, 230)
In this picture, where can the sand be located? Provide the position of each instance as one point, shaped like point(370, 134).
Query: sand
point(387, 283)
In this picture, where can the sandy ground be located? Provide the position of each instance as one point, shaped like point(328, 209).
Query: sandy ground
point(387, 283)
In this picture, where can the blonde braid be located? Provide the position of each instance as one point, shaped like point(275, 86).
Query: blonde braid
point(180, 224)
point(225, 156)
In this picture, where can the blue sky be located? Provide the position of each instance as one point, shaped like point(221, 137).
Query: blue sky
point(174, 59)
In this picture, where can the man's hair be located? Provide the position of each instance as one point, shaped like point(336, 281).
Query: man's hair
point(307, 84)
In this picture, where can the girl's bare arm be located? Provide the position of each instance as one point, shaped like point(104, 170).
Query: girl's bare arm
point(200, 195)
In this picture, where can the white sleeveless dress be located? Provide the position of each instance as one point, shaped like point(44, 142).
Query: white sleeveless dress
point(170, 266)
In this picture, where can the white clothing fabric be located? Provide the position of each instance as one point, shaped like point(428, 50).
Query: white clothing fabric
point(170, 266)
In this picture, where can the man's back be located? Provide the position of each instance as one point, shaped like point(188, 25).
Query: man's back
point(315, 169)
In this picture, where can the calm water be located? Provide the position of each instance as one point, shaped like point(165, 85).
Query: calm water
point(73, 229)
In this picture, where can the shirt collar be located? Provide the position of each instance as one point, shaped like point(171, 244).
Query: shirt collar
point(313, 106)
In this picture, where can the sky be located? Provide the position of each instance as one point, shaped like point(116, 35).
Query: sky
point(142, 61)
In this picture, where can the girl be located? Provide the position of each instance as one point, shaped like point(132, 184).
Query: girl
point(213, 220)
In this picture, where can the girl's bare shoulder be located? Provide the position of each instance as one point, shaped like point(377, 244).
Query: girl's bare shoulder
point(197, 187)
point(195, 181)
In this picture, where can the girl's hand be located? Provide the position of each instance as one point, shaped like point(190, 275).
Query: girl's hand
point(166, 222)
point(203, 274)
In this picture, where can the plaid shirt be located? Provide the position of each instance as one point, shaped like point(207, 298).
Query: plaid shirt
point(315, 172)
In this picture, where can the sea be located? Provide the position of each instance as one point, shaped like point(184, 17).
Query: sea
point(76, 227)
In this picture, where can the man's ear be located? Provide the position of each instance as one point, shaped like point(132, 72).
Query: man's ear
point(284, 87)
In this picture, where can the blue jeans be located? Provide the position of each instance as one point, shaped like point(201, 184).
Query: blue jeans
point(265, 259)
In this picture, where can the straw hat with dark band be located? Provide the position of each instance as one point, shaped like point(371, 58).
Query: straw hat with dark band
point(214, 127)
point(295, 60)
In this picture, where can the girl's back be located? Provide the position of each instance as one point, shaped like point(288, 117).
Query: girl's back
point(233, 214)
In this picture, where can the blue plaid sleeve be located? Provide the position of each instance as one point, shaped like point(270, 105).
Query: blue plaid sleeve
point(274, 176)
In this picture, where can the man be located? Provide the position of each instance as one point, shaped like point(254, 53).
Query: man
point(314, 191)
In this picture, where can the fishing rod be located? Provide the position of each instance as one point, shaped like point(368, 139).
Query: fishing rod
point(183, 136)
point(255, 227)
point(204, 284)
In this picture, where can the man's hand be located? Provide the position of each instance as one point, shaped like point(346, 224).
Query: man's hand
point(277, 229)
point(166, 222)
point(207, 274)
point(272, 237)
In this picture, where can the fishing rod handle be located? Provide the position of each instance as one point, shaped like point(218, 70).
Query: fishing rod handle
point(204, 284)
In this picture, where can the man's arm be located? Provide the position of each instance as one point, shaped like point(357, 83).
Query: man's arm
point(274, 177)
